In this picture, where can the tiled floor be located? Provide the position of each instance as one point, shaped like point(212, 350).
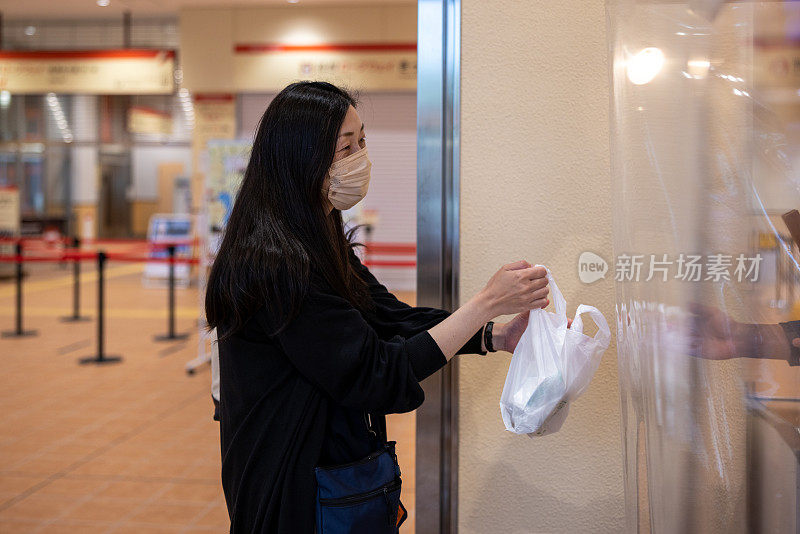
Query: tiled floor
point(128, 447)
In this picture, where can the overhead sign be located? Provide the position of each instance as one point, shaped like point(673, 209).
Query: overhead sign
point(106, 72)
point(374, 66)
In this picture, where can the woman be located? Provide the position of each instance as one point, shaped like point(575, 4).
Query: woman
point(313, 350)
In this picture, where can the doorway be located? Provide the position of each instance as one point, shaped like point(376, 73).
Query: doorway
point(115, 210)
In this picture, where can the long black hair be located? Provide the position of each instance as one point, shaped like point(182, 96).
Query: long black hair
point(280, 236)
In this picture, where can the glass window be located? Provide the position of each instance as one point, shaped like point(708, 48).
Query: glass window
point(33, 118)
point(8, 169)
point(32, 191)
point(56, 180)
point(9, 113)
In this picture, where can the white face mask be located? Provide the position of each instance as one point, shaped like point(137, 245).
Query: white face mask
point(349, 180)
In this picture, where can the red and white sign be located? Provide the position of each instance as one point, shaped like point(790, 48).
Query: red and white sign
point(376, 66)
point(106, 72)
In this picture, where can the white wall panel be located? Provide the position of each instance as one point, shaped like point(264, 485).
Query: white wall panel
point(144, 167)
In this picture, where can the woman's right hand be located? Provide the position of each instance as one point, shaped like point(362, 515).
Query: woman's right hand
point(516, 288)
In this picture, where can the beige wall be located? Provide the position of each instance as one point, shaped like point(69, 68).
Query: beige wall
point(535, 184)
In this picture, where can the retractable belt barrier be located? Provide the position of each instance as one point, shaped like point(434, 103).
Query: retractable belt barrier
point(100, 358)
point(171, 335)
point(76, 286)
point(102, 257)
point(19, 331)
point(75, 252)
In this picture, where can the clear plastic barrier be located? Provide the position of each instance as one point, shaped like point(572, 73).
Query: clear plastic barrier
point(706, 153)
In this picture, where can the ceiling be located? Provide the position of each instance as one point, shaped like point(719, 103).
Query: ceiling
point(81, 9)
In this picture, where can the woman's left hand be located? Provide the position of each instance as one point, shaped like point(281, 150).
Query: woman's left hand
point(505, 336)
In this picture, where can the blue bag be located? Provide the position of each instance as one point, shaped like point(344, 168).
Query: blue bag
point(362, 497)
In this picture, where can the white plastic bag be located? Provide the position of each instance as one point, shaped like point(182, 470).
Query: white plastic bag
point(552, 366)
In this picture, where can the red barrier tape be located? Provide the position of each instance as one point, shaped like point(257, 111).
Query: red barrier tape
point(31, 259)
point(94, 242)
point(87, 256)
point(145, 259)
point(142, 242)
point(387, 249)
point(382, 263)
point(373, 246)
point(391, 248)
point(44, 240)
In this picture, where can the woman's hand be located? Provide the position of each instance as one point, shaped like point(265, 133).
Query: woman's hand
point(515, 288)
point(505, 336)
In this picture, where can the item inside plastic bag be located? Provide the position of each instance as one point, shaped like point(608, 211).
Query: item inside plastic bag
point(552, 365)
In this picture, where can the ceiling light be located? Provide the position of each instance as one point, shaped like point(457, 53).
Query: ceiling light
point(103, 3)
point(645, 65)
point(293, 1)
point(30, 30)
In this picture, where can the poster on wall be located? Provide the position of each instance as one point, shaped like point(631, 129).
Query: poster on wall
point(215, 118)
point(227, 161)
point(9, 224)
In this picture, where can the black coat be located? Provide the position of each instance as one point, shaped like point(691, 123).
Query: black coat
point(292, 402)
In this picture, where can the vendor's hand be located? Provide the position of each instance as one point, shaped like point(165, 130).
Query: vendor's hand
point(515, 288)
point(715, 336)
point(505, 336)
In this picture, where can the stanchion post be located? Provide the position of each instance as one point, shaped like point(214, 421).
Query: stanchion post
point(171, 335)
point(100, 357)
point(18, 330)
point(76, 285)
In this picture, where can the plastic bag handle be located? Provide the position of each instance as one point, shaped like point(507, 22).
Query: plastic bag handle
point(559, 303)
point(603, 335)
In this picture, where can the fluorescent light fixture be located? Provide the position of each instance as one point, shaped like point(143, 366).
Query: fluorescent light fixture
point(698, 68)
point(645, 65)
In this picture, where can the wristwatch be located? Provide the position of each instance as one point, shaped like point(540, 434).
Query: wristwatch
point(487, 336)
